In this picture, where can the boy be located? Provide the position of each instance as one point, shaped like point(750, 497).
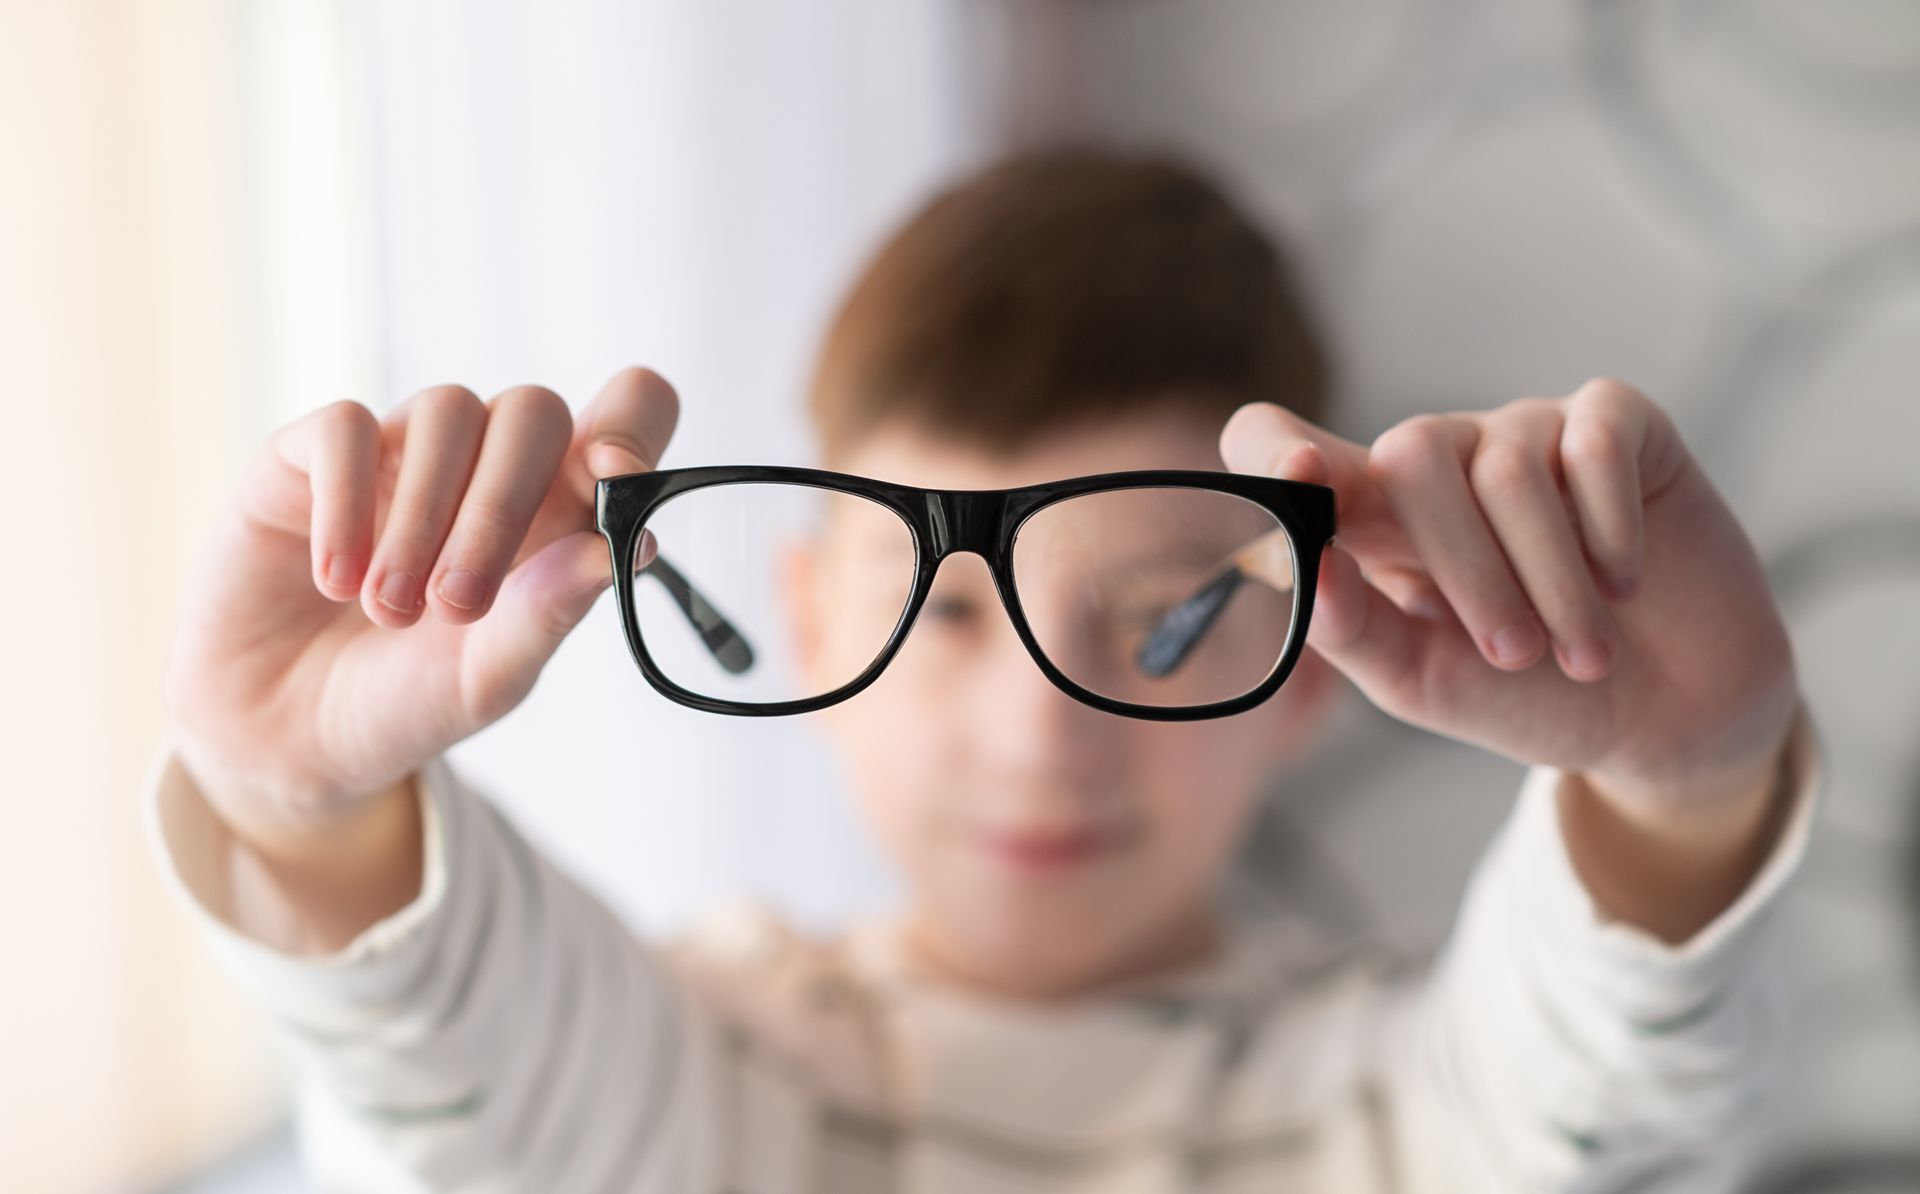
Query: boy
point(1062, 1003)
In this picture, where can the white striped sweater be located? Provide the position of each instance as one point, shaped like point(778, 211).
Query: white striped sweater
point(506, 1031)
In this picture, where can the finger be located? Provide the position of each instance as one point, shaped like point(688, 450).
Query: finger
point(1600, 450)
point(1260, 435)
point(526, 438)
point(324, 462)
point(1421, 466)
point(444, 427)
point(626, 427)
point(1513, 478)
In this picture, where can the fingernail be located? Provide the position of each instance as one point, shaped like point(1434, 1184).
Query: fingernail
point(1589, 657)
point(1291, 460)
point(463, 587)
point(1513, 643)
point(343, 572)
point(397, 592)
point(609, 458)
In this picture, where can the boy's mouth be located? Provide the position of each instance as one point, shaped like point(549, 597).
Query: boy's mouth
point(1050, 849)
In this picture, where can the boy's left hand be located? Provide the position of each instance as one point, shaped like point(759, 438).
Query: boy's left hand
point(1581, 519)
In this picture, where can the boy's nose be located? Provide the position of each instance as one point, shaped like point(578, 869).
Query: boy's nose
point(1026, 726)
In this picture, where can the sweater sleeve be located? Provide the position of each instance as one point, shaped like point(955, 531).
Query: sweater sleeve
point(1549, 1048)
point(502, 1031)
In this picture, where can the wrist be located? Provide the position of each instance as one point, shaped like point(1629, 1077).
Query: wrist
point(279, 817)
point(1669, 861)
point(1702, 802)
point(316, 893)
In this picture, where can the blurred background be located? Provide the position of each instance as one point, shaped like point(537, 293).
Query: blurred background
point(215, 216)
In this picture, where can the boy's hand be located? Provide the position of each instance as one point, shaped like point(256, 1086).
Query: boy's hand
point(1583, 520)
point(297, 694)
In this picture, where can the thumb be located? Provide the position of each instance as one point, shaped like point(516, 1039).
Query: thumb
point(540, 603)
point(1356, 627)
point(625, 428)
point(1260, 435)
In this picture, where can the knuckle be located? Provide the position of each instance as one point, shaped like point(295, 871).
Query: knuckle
point(1503, 469)
point(1609, 394)
point(532, 403)
point(1613, 386)
point(1531, 406)
point(352, 415)
point(1411, 445)
point(1591, 443)
point(448, 402)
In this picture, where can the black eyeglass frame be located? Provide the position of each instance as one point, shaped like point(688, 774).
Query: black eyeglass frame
point(983, 521)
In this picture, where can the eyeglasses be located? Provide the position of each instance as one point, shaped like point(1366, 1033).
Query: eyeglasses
point(1164, 594)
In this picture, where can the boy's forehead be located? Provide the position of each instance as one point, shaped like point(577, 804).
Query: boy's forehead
point(916, 454)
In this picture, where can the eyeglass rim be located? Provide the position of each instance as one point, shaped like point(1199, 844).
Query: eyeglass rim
point(945, 521)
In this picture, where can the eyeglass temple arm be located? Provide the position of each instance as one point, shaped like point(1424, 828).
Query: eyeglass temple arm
point(1173, 637)
point(728, 645)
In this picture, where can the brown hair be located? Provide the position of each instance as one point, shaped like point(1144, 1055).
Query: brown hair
point(1062, 284)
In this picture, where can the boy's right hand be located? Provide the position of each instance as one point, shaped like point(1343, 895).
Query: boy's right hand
point(297, 695)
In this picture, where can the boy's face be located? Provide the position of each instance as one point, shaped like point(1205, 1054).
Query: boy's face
point(1047, 846)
